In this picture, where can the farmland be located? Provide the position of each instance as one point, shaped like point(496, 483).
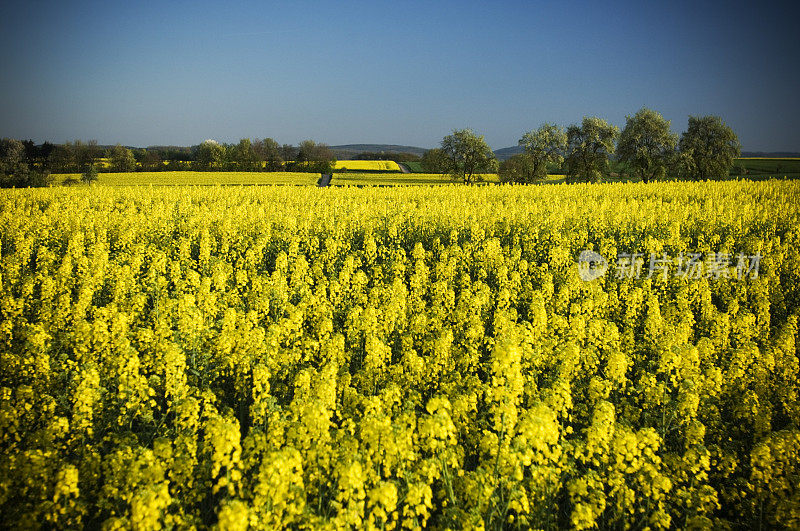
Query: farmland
point(400, 179)
point(197, 178)
point(778, 167)
point(209, 178)
point(193, 357)
point(414, 166)
point(382, 166)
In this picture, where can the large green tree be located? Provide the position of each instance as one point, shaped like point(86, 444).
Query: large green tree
point(90, 174)
point(543, 146)
point(210, 155)
point(468, 154)
point(647, 144)
point(709, 147)
point(122, 159)
point(589, 146)
point(13, 168)
point(38, 156)
point(435, 161)
point(23, 164)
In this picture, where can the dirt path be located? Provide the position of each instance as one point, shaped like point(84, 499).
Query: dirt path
point(403, 168)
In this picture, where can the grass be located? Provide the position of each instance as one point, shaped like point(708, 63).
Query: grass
point(778, 167)
point(199, 178)
point(414, 167)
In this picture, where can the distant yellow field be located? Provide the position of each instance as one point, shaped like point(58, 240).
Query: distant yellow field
point(200, 178)
point(207, 178)
point(403, 179)
point(367, 165)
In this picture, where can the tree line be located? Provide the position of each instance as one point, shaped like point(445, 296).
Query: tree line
point(25, 164)
point(645, 148)
point(264, 155)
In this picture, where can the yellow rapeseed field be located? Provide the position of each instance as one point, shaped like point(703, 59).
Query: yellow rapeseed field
point(199, 178)
point(409, 357)
point(367, 165)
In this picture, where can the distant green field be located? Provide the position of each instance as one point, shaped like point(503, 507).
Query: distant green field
point(414, 167)
point(789, 167)
point(200, 178)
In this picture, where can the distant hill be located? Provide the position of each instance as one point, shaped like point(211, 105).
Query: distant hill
point(345, 150)
point(348, 150)
point(170, 148)
point(506, 153)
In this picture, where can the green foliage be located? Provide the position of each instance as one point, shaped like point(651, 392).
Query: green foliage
point(647, 145)
point(434, 161)
point(244, 156)
point(738, 169)
point(288, 152)
point(62, 159)
point(15, 170)
point(210, 156)
point(544, 146)
point(269, 151)
point(122, 159)
point(40, 178)
point(467, 155)
point(711, 147)
point(520, 168)
point(315, 158)
point(151, 160)
point(588, 148)
point(90, 175)
point(86, 154)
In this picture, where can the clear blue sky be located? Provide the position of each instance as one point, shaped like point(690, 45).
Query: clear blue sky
point(146, 73)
